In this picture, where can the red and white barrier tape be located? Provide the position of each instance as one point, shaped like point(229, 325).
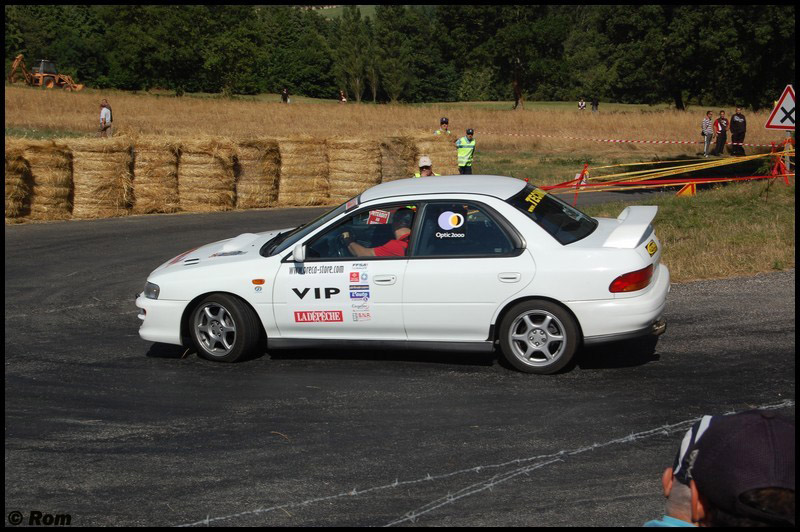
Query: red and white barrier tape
point(622, 141)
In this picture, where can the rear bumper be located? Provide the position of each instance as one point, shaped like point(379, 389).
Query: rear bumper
point(619, 319)
point(657, 328)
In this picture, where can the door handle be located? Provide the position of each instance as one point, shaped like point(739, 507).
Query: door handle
point(385, 279)
point(509, 277)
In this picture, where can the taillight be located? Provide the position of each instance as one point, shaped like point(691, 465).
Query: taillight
point(632, 281)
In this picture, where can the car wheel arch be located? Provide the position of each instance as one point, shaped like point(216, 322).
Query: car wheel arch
point(494, 329)
point(189, 309)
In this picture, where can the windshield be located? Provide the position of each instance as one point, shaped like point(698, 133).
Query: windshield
point(564, 222)
point(288, 239)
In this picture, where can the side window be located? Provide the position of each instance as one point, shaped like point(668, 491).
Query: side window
point(371, 228)
point(460, 229)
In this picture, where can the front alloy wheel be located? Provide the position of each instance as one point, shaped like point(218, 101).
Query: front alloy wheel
point(224, 328)
point(538, 337)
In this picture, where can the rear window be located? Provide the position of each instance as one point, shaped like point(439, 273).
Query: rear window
point(562, 221)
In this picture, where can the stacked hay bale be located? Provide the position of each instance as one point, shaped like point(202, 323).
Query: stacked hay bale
point(355, 165)
point(304, 172)
point(441, 150)
point(102, 177)
point(257, 168)
point(51, 176)
point(206, 181)
point(398, 158)
point(18, 181)
point(155, 175)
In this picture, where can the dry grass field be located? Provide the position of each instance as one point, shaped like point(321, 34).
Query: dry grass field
point(495, 129)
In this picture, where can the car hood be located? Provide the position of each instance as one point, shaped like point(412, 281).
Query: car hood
point(239, 249)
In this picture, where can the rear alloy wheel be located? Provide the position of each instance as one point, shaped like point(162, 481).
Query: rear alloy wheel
point(223, 328)
point(538, 337)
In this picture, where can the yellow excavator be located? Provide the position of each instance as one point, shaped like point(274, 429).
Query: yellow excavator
point(43, 74)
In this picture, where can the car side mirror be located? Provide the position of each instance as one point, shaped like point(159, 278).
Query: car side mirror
point(299, 253)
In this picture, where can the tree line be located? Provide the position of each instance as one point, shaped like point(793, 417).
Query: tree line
point(687, 54)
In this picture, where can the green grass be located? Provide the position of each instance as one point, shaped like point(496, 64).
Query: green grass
point(730, 230)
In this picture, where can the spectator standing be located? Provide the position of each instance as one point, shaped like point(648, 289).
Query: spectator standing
point(581, 105)
point(707, 130)
point(721, 131)
point(595, 104)
point(285, 95)
point(444, 127)
point(106, 122)
point(466, 152)
point(342, 97)
point(738, 131)
point(425, 167)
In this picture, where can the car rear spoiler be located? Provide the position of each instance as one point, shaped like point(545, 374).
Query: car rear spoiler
point(634, 227)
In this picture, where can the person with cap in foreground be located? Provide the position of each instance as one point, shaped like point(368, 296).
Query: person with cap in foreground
point(425, 167)
point(444, 127)
point(739, 470)
point(466, 151)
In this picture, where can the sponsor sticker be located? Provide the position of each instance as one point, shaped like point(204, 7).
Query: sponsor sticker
point(378, 218)
point(359, 296)
point(359, 266)
point(351, 204)
point(452, 222)
point(652, 247)
point(361, 316)
point(359, 287)
point(318, 316)
point(534, 198)
point(315, 270)
point(355, 277)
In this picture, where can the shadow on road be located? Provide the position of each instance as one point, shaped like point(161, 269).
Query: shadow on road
point(625, 354)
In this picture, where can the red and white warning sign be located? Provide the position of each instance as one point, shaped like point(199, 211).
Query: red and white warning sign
point(782, 117)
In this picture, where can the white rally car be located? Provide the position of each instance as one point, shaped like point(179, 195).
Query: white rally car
point(489, 260)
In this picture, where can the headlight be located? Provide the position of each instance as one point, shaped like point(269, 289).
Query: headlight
point(151, 291)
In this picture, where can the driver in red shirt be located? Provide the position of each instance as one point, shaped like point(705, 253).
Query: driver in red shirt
point(401, 224)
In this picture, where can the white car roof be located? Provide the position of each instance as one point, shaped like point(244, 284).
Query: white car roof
point(491, 185)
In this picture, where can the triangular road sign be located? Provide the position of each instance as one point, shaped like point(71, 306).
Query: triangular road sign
point(782, 117)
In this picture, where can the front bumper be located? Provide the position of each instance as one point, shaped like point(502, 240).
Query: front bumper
point(161, 320)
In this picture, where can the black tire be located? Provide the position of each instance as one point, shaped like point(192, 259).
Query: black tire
point(539, 337)
point(224, 329)
point(49, 82)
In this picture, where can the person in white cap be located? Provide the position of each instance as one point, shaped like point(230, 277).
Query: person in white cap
point(425, 167)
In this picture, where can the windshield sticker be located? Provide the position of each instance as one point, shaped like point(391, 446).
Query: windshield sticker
point(378, 218)
point(351, 204)
point(652, 247)
point(318, 316)
point(314, 270)
point(534, 198)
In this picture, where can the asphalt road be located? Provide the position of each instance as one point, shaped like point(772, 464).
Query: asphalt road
point(113, 430)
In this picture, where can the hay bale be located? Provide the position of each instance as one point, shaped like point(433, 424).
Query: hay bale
point(206, 181)
point(354, 165)
point(441, 150)
point(19, 185)
point(101, 176)
point(51, 175)
point(304, 172)
point(155, 175)
point(398, 158)
point(257, 165)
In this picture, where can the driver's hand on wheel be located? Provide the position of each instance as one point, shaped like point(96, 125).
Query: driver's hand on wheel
point(346, 238)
